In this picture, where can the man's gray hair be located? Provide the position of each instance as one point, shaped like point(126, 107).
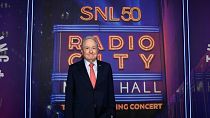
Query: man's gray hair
point(89, 37)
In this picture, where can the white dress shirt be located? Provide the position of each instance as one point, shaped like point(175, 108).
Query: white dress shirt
point(88, 67)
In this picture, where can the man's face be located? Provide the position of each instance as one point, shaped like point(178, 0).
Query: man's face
point(90, 50)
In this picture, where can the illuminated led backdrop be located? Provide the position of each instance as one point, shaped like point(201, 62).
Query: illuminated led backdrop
point(130, 38)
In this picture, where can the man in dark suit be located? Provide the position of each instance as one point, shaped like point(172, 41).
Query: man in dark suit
point(89, 90)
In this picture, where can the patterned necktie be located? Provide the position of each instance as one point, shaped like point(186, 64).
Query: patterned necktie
point(92, 75)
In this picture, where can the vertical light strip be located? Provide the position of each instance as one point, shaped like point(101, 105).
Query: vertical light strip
point(185, 75)
point(31, 52)
point(59, 53)
point(26, 59)
point(189, 68)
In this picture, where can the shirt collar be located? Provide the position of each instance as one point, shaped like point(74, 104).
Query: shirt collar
point(87, 62)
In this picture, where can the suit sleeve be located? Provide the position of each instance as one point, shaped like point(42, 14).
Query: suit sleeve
point(111, 98)
point(69, 98)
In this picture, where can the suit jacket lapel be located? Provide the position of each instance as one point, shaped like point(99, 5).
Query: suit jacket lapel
point(84, 73)
point(100, 72)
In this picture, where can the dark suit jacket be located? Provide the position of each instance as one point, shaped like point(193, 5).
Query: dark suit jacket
point(82, 101)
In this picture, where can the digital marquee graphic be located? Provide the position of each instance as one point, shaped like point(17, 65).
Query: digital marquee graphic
point(134, 52)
